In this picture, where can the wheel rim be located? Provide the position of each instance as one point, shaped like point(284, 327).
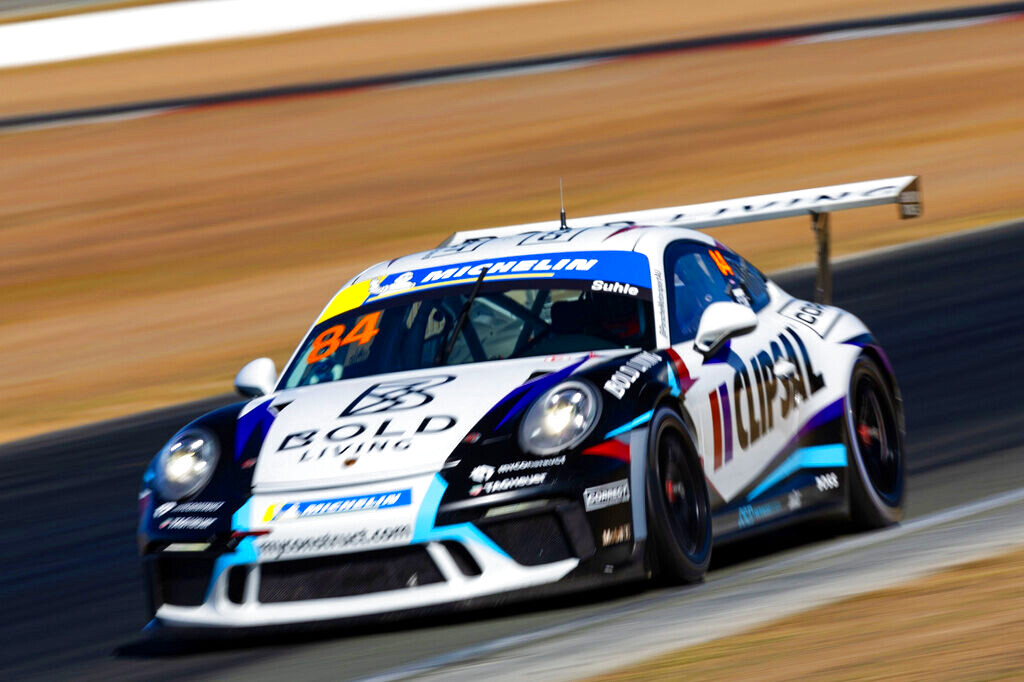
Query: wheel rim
point(686, 513)
point(876, 436)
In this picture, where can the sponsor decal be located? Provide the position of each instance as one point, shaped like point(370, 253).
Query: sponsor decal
point(614, 288)
point(816, 317)
point(660, 307)
point(187, 522)
point(393, 396)
point(757, 394)
point(616, 535)
point(606, 495)
point(163, 509)
point(589, 265)
point(528, 464)
point(626, 375)
point(753, 513)
point(353, 438)
point(502, 484)
point(552, 236)
point(795, 500)
point(482, 473)
point(340, 505)
point(400, 283)
point(187, 508)
point(827, 481)
point(364, 537)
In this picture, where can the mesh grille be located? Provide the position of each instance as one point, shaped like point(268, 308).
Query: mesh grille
point(347, 574)
point(183, 580)
point(530, 540)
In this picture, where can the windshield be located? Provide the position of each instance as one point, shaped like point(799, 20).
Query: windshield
point(506, 320)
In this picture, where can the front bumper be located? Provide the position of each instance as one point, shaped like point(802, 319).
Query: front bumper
point(505, 555)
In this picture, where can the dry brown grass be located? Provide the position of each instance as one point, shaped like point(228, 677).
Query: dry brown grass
point(963, 624)
point(144, 261)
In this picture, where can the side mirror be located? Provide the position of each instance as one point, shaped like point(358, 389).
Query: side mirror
point(720, 322)
point(257, 378)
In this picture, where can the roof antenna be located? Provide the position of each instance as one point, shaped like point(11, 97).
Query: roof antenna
point(561, 198)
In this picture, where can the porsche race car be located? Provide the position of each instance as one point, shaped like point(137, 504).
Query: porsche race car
point(523, 410)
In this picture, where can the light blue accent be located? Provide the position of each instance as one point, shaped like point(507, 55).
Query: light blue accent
point(814, 457)
point(424, 529)
point(629, 426)
point(245, 553)
point(672, 380)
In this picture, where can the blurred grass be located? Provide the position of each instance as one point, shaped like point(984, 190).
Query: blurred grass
point(965, 623)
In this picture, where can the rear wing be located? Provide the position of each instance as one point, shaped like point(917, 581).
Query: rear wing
point(816, 202)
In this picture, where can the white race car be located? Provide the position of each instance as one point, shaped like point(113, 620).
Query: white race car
point(526, 409)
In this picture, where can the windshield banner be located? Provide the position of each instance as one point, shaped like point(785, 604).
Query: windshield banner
point(611, 271)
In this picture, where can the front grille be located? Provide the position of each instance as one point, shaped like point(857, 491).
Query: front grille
point(530, 540)
point(347, 574)
point(182, 581)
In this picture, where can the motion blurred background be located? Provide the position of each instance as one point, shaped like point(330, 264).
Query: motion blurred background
point(147, 253)
point(146, 259)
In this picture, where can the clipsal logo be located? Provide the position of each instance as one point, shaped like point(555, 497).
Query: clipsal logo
point(482, 473)
point(614, 288)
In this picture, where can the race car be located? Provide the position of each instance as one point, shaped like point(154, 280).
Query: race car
point(523, 410)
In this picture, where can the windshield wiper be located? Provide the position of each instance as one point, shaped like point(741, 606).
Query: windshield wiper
point(446, 349)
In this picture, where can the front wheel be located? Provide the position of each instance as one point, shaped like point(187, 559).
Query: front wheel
point(678, 507)
point(875, 444)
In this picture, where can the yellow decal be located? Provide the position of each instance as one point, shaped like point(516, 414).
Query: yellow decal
point(346, 299)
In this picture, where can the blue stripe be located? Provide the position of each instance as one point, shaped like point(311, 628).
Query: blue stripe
point(814, 457)
point(426, 531)
point(629, 426)
point(245, 552)
point(672, 380)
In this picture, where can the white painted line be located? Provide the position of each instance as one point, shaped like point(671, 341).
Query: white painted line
point(923, 27)
point(193, 21)
point(636, 609)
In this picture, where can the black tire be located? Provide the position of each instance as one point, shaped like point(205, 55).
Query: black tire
point(678, 507)
point(874, 434)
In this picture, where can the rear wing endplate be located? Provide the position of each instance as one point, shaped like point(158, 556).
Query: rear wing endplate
point(817, 202)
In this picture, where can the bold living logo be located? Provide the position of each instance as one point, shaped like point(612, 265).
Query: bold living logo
point(392, 396)
point(757, 393)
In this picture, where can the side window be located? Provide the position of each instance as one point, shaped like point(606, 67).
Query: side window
point(695, 281)
point(751, 279)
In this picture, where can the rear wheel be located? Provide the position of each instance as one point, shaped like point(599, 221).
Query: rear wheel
point(678, 507)
point(875, 444)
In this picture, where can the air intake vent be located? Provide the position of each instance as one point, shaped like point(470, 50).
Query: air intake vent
point(182, 581)
point(530, 540)
point(347, 574)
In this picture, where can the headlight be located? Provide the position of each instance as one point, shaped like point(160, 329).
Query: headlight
point(186, 464)
point(560, 419)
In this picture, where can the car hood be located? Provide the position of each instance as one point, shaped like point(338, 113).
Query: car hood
point(381, 427)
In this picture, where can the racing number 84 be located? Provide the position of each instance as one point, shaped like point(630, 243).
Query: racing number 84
point(333, 338)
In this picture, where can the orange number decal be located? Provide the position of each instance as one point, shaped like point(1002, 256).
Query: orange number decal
point(364, 331)
point(723, 267)
point(330, 339)
point(326, 344)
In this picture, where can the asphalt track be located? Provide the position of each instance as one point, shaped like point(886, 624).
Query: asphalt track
point(950, 313)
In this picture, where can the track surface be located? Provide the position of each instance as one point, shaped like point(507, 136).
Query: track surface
point(949, 312)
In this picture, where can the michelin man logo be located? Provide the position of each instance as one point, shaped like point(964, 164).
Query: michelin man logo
point(482, 473)
point(401, 283)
